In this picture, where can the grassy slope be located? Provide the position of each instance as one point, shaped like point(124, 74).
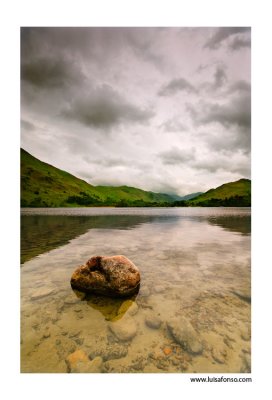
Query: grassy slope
point(45, 185)
point(240, 188)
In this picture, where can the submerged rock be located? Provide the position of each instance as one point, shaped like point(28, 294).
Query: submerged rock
point(114, 276)
point(167, 351)
point(40, 293)
point(185, 335)
point(246, 363)
point(243, 295)
point(77, 361)
point(124, 329)
point(219, 355)
point(159, 289)
point(152, 321)
point(246, 334)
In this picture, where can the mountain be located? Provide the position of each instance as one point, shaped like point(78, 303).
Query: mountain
point(190, 196)
point(232, 194)
point(43, 185)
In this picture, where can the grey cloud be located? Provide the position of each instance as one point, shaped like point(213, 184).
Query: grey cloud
point(104, 108)
point(95, 43)
point(220, 77)
point(108, 161)
point(170, 188)
point(228, 142)
point(115, 162)
point(39, 41)
point(234, 116)
point(239, 43)
point(240, 87)
point(242, 169)
point(204, 67)
point(192, 111)
point(221, 164)
point(210, 166)
point(177, 85)
point(173, 125)
point(49, 73)
point(140, 40)
point(236, 112)
point(217, 162)
point(219, 80)
point(176, 156)
point(28, 126)
point(222, 34)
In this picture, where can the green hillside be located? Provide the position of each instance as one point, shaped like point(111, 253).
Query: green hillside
point(232, 194)
point(43, 185)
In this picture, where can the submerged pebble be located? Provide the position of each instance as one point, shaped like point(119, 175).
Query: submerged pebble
point(152, 321)
point(167, 351)
point(243, 295)
point(246, 363)
point(246, 334)
point(124, 329)
point(40, 293)
point(159, 289)
point(185, 335)
point(219, 355)
point(77, 361)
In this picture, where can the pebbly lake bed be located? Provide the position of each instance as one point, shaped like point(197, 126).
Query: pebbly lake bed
point(192, 313)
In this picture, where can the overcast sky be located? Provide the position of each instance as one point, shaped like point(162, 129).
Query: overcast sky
point(162, 109)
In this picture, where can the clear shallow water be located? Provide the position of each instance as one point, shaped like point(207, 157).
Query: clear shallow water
point(194, 263)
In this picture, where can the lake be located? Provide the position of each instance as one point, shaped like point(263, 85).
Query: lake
point(195, 292)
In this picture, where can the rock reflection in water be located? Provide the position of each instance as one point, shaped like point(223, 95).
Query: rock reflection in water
point(112, 309)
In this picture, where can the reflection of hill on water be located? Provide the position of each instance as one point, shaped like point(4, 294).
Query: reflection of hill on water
point(239, 224)
point(42, 233)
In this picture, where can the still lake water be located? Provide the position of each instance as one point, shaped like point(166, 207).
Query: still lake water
point(194, 264)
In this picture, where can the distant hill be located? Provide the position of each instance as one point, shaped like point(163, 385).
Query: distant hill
point(232, 194)
point(43, 185)
point(190, 196)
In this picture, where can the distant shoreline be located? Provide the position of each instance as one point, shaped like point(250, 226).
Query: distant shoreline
point(98, 207)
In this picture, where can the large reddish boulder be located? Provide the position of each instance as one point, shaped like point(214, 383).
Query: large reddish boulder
point(114, 276)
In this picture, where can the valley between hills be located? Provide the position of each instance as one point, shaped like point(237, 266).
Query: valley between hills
point(43, 185)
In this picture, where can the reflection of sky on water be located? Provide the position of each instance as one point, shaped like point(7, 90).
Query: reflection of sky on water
point(46, 231)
